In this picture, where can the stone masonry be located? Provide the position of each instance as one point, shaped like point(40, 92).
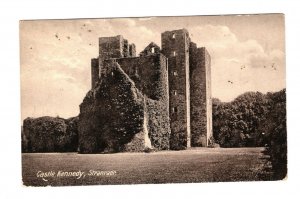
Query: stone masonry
point(175, 46)
point(201, 103)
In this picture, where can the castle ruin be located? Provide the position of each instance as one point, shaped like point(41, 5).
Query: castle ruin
point(160, 99)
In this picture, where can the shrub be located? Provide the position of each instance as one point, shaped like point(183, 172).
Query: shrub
point(148, 150)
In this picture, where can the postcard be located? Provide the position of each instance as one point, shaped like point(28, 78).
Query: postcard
point(153, 100)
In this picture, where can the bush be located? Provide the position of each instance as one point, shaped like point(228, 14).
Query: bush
point(49, 134)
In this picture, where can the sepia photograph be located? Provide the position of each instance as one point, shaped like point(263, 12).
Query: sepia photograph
point(153, 100)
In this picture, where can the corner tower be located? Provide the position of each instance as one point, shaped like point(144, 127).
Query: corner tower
point(201, 102)
point(175, 46)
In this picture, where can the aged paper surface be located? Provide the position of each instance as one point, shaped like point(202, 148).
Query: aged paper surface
point(153, 100)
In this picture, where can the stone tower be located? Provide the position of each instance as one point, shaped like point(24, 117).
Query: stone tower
point(201, 102)
point(110, 47)
point(175, 46)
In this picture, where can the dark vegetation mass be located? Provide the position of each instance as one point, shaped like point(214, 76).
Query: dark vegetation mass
point(105, 123)
point(254, 119)
point(49, 134)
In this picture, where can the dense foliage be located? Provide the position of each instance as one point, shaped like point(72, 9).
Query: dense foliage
point(49, 134)
point(276, 135)
point(254, 119)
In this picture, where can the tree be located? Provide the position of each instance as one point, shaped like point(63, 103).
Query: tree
point(254, 119)
point(241, 119)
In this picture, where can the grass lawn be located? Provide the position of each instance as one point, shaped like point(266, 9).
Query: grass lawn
point(194, 165)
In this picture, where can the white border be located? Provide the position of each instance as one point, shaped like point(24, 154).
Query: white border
point(10, 165)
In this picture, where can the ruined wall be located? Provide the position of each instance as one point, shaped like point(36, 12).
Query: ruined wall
point(160, 131)
point(152, 48)
point(158, 123)
point(115, 47)
point(201, 107)
point(175, 46)
point(125, 48)
point(94, 71)
point(112, 117)
point(111, 47)
point(132, 50)
point(150, 76)
point(49, 134)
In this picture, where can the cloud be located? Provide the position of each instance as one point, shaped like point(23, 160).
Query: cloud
point(267, 59)
point(245, 63)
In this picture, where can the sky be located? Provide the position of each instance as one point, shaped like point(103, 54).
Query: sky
point(247, 54)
